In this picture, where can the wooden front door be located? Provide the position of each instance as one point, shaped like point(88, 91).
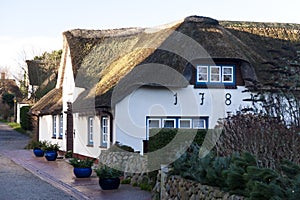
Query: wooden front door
point(70, 129)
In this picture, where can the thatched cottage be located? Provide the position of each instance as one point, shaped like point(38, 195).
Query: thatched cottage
point(115, 85)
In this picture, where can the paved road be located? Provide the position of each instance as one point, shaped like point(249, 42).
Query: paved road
point(16, 182)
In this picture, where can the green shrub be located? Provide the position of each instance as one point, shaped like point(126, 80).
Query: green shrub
point(240, 174)
point(25, 118)
point(126, 181)
point(159, 138)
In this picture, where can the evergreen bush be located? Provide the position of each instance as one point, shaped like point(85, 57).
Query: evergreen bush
point(240, 174)
point(25, 118)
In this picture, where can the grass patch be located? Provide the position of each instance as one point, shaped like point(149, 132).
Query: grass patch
point(17, 127)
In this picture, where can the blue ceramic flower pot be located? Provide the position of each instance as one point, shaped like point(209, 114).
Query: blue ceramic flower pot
point(38, 152)
point(109, 183)
point(82, 172)
point(51, 155)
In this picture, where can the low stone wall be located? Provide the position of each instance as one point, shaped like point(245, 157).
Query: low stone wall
point(176, 188)
point(135, 167)
point(129, 162)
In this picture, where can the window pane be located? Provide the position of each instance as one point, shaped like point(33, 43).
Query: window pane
point(199, 123)
point(215, 78)
point(54, 126)
point(90, 134)
point(185, 123)
point(227, 78)
point(169, 123)
point(61, 125)
point(227, 70)
point(154, 123)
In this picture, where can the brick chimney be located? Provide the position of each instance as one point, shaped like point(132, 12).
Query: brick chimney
point(3, 75)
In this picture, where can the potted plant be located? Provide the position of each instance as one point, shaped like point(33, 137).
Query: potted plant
point(82, 167)
point(109, 177)
point(38, 148)
point(51, 151)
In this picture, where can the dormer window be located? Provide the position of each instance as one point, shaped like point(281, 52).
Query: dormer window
point(215, 75)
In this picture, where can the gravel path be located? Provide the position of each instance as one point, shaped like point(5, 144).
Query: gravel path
point(16, 182)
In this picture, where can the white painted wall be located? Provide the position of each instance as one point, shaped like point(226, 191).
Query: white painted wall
point(131, 112)
point(19, 106)
point(81, 136)
point(46, 130)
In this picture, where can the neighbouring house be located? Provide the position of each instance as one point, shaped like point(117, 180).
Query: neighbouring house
point(10, 89)
point(42, 78)
point(115, 85)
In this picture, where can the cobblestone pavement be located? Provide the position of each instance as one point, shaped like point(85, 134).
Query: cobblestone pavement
point(57, 175)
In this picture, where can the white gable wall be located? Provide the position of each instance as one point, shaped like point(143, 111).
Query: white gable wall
point(131, 112)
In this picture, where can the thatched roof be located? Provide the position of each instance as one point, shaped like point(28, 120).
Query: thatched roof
point(103, 59)
point(271, 44)
point(51, 103)
point(42, 77)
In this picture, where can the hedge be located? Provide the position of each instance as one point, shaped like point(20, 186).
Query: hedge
point(25, 119)
point(159, 138)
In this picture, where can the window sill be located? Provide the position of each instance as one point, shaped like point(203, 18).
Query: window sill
point(53, 137)
point(60, 138)
point(90, 145)
point(209, 85)
point(103, 147)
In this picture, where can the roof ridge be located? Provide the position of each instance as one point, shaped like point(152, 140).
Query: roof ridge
point(90, 33)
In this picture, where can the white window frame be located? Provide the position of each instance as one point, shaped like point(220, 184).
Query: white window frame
point(223, 74)
point(54, 126)
point(105, 130)
point(90, 130)
point(180, 120)
point(61, 127)
point(154, 119)
point(199, 127)
point(198, 73)
point(168, 119)
point(215, 74)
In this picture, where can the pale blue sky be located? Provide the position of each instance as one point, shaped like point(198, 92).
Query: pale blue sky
point(30, 27)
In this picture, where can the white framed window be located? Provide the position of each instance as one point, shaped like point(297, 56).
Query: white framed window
point(105, 130)
point(199, 123)
point(202, 73)
point(185, 123)
point(215, 74)
point(54, 126)
point(169, 123)
point(227, 74)
point(90, 130)
point(154, 123)
point(61, 127)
